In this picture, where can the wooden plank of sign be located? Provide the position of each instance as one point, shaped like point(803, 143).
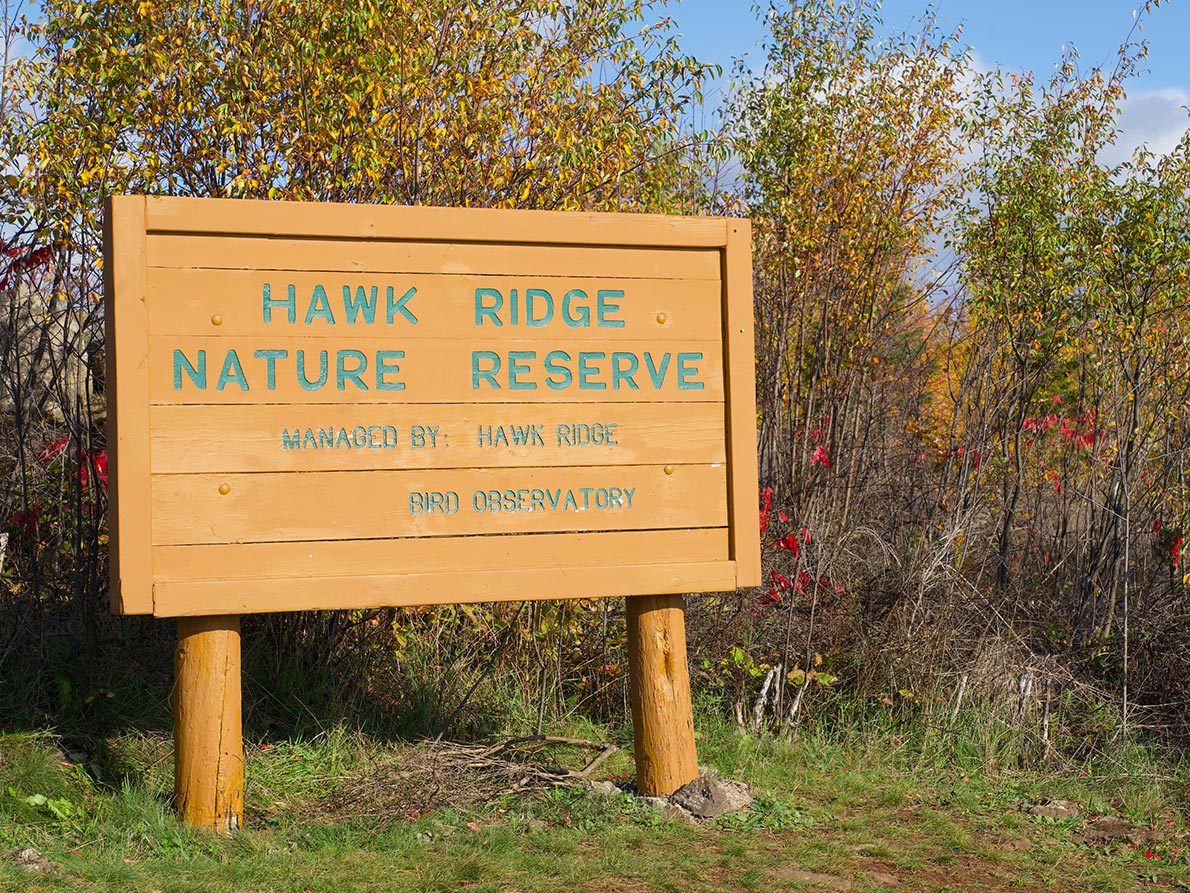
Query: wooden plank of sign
point(218, 302)
point(251, 253)
point(298, 438)
point(199, 253)
point(321, 505)
point(331, 220)
point(127, 336)
point(432, 370)
point(443, 587)
point(741, 401)
point(387, 557)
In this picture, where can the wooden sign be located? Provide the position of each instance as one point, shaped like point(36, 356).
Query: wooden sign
point(344, 406)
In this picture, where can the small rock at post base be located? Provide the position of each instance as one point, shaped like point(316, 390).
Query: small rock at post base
point(675, 813)
point(708, 796)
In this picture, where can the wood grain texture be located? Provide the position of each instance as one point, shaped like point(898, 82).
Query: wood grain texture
point(261, 253)
point(187, 301)
point(659, 687)
point(392, 557)
point(444, 587)
point(126, 346)
point(256, 508)
point(192, 439)
point(208, 737)
point(432, 370)
point(339, 220)
point(333, 526)
point(740, 359)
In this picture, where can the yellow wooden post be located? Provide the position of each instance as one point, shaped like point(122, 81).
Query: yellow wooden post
point(659, 680)
point(208, 736)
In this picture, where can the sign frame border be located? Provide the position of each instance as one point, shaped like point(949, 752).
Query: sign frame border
point(130, 219)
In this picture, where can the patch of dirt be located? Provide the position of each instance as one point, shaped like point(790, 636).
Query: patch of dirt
point(970, 872)
point(1108, 830)
point(860, 869)
point(1112, 831)
point(1056, 809)
point(608, 884)
point(1012, 844)
point(33, 862)
point(883, 878)
point(811, 879)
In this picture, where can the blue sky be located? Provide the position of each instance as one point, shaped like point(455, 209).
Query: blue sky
point(1018, 34)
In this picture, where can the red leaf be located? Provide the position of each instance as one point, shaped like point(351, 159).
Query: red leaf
point(766, 496)
point(99, 461)
point(788, 543)
point(52, 451)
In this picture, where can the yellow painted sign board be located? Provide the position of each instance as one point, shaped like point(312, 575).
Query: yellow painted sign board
point(344, 406)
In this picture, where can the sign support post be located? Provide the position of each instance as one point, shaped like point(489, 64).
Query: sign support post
point(659, 683)
point(208, 734)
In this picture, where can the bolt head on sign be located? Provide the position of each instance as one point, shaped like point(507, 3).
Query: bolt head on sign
point(343, 406)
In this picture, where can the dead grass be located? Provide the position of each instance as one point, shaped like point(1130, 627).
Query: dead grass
point(450, 775)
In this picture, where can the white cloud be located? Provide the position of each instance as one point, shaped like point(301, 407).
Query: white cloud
point(1153, 118)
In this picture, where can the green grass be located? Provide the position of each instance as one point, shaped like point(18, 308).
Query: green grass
point(861, 800)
